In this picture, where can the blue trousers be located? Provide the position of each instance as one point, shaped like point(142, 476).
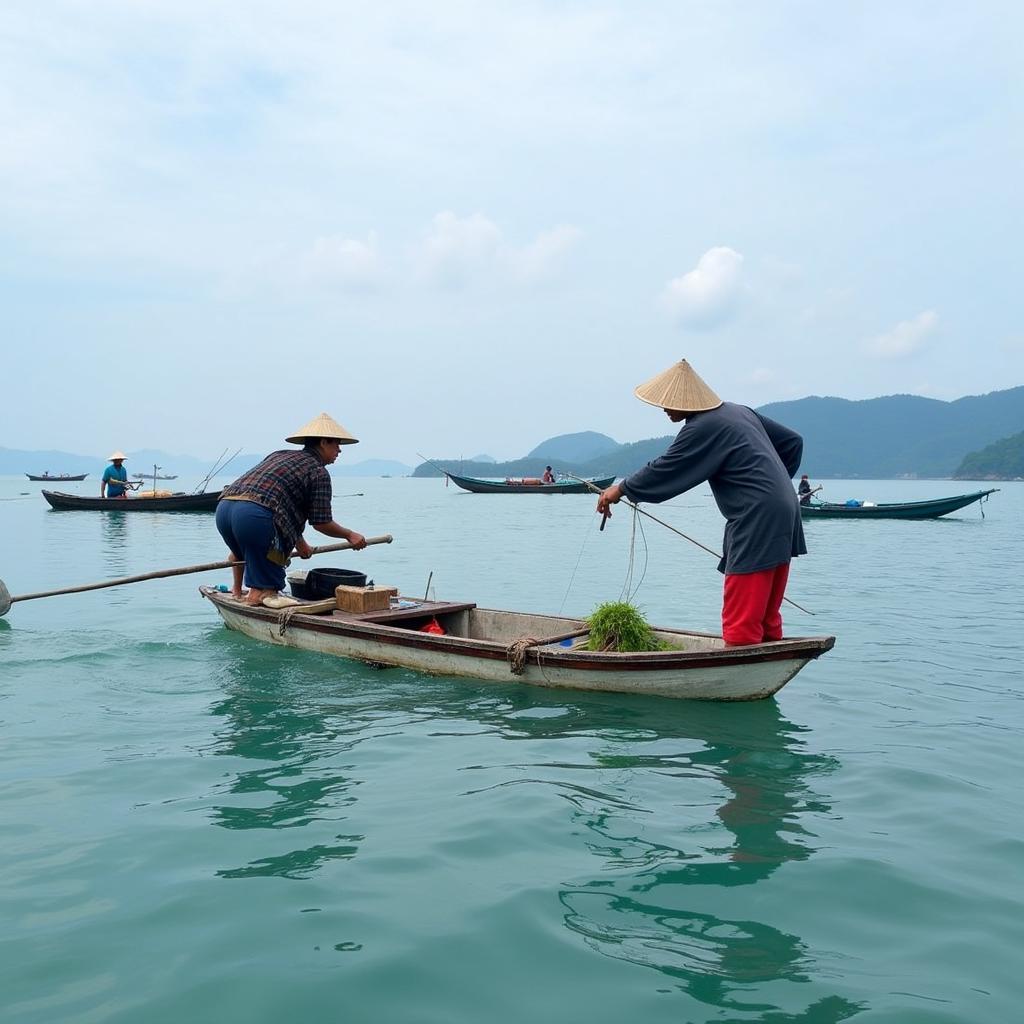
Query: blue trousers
point(248, 530)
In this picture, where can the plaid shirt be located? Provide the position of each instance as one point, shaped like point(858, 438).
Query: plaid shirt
point(294, 485)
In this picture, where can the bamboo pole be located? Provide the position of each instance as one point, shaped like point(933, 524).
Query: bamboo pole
point(6, 599)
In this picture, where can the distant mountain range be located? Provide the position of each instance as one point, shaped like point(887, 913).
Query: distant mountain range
point(899, 435)
point(14, 462)
point(878, 438)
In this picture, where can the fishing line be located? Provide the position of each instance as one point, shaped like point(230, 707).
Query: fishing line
point(669, 526)
point(627, 582)
point(627, 585)
point(431, 462)
point(206, 479)
point(638, 524)
point(217, 467)
point(572, 578)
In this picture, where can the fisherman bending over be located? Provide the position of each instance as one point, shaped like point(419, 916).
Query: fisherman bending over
point(262, 514)
point(749, 461)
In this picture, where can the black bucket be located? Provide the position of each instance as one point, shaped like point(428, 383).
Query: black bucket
point(300, 588)
point(320, 583)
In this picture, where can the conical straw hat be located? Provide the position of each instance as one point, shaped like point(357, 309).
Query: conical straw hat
point(680, 389)
point(322, 426)
point(117, 455)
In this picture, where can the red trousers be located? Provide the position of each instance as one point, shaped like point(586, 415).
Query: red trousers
point(750, 607)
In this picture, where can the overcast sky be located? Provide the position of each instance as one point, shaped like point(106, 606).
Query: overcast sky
point(466, 227)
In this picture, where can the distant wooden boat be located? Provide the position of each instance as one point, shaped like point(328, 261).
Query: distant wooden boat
point(158, 476)
point(58, 477)
point(540, 650)
point(206, 502)
point(931, 509)
point(528, 485)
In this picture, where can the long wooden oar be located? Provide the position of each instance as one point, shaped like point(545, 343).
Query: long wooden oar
point(6, 600)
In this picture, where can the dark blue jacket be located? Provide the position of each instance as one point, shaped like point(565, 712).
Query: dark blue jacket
point(749, 461)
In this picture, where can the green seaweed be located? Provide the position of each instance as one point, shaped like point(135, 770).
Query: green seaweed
point(619, 626)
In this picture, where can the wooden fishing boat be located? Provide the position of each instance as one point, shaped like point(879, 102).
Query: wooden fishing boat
point(541, 650)
point(157, 476)
point(528, 485)
point(205, 502)
point(931, 509)
point(58, 477)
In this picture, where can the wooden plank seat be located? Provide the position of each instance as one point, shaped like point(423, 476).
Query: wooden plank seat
point(396, 616)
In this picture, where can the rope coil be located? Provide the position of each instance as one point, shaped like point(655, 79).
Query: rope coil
point(516, 653)
point(284, 618)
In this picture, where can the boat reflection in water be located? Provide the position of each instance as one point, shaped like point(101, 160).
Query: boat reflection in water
point(633, 828)
point(650, 903)
point(272, 722)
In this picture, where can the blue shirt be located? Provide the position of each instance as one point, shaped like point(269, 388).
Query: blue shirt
point(111, 474)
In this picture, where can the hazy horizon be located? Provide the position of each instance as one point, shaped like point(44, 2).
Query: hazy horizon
point(350, 454)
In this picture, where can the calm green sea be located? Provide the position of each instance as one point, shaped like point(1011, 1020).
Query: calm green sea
point(196, 827)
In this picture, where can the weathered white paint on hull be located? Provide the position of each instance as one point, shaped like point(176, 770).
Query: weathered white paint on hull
point(750, 681)
point(726, 682)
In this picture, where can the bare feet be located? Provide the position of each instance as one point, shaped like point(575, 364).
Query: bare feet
point(255, 596)
point(239, 594)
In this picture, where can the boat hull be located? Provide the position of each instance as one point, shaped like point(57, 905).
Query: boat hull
point(931, 509)
point(63, 479)
point(704, 670)
point(173, 503)
point(477, 486)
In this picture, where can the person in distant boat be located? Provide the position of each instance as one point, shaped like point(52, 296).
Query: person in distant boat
point(749, 461)
point(261, 515)
point(804, 490)
point(114, 482)
point(549, 477)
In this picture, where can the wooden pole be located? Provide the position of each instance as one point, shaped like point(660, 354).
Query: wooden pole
point(6, 599)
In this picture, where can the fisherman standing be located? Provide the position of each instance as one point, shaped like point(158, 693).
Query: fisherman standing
point(804, 491)
point(261, 515)
point(749, 461)
point(113, 483)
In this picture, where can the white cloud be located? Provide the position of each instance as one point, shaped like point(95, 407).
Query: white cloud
point(905, 338)
point(459, 251)
point(546, 255)
point(709, 294)
point(348, 263)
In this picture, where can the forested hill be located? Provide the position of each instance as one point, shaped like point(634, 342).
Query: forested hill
point(894, 436)
point(1003, 460)
point(899, 435)
point(576, 448)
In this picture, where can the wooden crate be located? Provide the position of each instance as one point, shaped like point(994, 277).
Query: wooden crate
point(364, 599)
